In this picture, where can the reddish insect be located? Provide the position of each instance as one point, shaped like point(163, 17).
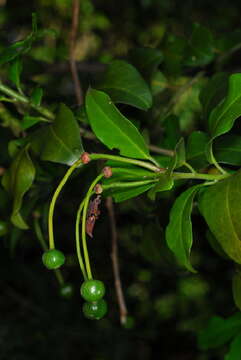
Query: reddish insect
point(92, 215)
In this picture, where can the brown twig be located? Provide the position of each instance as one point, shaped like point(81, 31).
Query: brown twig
point(73, 66)
point(115, 262)
point(159, 150)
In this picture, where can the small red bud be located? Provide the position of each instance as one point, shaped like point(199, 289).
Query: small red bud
point(98, 189)
point(107, 171)
point(85, 158)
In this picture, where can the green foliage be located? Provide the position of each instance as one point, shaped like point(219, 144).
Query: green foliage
point(105, 119)
point(124, 84)
point(158, 121)
point(17, 181)
point(62, 140)
point(220, 206)
point(179, 229)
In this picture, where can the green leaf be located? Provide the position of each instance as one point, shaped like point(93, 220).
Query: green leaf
point(227, 149)
point(223, 116)
point(164, 183)
point(125, 85)
point(36, 96)
point(200, 50)
point(29, 121)
point(59, 142)
point(112, 128)
point(126, 194)
point(236, 287)
point(196, 149)
point(234, 352)
point(146, 60)
point(15, 71)
point(172, 132)
point(180, 153)
point(220, 205)
point(179, 230)
point(214, 91)
point(17, 180)
point(20, 47)
point(219, 331)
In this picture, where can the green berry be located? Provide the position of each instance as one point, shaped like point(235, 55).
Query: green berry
point(3, 228)
point(66, 291)
point(95, 310)
point(53, 259)
point(92, 290)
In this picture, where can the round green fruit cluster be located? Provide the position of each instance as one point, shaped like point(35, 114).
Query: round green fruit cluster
point(93, 292)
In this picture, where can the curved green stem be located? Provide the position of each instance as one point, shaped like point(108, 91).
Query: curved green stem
point(140, 163)
point(189, 167)
point(85, 208)
point(16, 97)
point(128, 184)
point(77, 240)
point(44, 246)
point(178, 175)
point(53, 201)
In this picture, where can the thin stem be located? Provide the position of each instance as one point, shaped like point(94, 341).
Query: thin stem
point(128, 184)
point(84, 243)
point(189, 167)
point(140, 163)
point(73, 65)
point(53, 201)
point(158, 150)
point(115, 261)
point(44, 246)
point(77, 240)
point(178, 175)
point(16, 97)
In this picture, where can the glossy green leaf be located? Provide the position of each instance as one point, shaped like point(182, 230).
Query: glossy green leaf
point(215, 245)
point(200, 50)
point(59, 142)
point(180, 153)
point(179, 230)
point(223, 116)
point(221, 207)
point(36, 96)
point(17, 180)
point(196, 149)
point(146, 60)
point(172, 132)
point(112, 128)
point(214, 91)
point(124, 84)
point(126, 194)
point(20, 47)
point(236, 287)
point(15, 71)
point(227, 149)
point(29, 121)
point(235, 349)
point(164, 183)
point(219, 331)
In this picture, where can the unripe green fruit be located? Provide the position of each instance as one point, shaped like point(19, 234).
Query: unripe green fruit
point(3, 228)
point(92, 290)
point(53, 259)
point(66, 291)
point(95, 310)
